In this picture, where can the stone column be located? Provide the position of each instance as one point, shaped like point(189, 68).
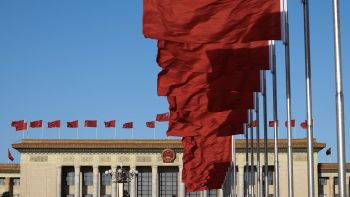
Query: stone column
point(132, 184)
point(114, 184)
point(77, 181)
point(95, 174)
point(154, 181)
point(220, 193)
point(181, 188)
point(241, 181)
point(120, 189)
point(59, 181)
point(331, 186)
point(205, 193)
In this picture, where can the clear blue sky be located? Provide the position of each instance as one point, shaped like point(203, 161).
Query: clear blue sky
point(89, 60)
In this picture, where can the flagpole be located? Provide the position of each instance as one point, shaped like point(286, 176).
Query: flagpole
point(246, 161)
point(258, 143)
point(59, 133)
point(96, 132)
point(115, 132)
point(42, 130)
point(339, 102)
point(77, 133)
point(252, 171)
point(274, 84)
point(310, 138)
point(234, 166)
point(288, 100)
point(154, 133)
point(266, 161)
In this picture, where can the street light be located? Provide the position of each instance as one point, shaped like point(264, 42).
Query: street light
point(121, 176)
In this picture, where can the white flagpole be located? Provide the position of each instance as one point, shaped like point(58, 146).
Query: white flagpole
point(339, 102)
point(266, 162)
point(257, 117)
point(42, 130)
point(96, 133)
point(275, 119)
point(252, 171)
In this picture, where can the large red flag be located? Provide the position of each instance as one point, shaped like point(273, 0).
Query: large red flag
point(21, 126)
point(16, 123)
point(54, 124)
point(36, 124)
point(151, 124)
point(162, 117)
point(213, 57)
point(213, 101)
point(128, 125)
point(205, 21)
point(9, 155)
point(292, 123)
point(90, 123)
point(172, 82)
point(205, 161)
point(110, 124)
point(73, 124)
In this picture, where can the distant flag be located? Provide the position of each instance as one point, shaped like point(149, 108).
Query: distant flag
point(110, 124)
point(16, 123)
point(329, 151)
point(36, 124)
point(304, 124)
point(292, 123)
point(21, 126)
point(73, 124)
point(253, 124)
point(90, 123)
point(54, 124)
point(9, 155)
point(162, 117)
point(151, 124)
point(128, 125)
point(272, 123)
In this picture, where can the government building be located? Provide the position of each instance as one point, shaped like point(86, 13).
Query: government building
point(76, 168)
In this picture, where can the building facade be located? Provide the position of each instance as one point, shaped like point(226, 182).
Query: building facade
point(72, 168)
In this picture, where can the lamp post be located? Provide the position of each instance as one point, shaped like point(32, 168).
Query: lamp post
point(121, 176)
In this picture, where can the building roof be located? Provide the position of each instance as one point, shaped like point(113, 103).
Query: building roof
point(53, 145)
point(331, 167)
point(9, 168)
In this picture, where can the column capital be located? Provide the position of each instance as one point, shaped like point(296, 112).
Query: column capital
point(76, 166)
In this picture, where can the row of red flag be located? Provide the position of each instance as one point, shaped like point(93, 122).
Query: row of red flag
point(211, 53)
point(272, 124)
point(21, 125)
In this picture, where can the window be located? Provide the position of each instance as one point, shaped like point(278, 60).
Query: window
point(106, 195)
point(322, 181)
point(168, 181)
point(249, 176)
point(88, 195)
point(88, 179)
point(70, 178)
point(16, 181)
point(106, 179)
point(336, 181)
point(193, 194)
point(144, 181)
point(2, 181)
point(212, 193)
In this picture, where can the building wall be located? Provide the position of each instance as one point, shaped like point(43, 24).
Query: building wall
point(8, 183)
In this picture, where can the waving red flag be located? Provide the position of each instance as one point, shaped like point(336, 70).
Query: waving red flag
point(128, 125)
point(54, 124)
point(162, 117)
point(292, 123)
point(110, 124)
point(272, 123)
point(253, 124)
point(151, 124)
point(303, 125)
point(73, 124)
point(90, 123)
point(9, 155)
point(207, 21)
point(16, 123)
point(36, 124)
point(21, 126)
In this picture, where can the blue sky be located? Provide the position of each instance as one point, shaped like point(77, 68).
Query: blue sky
point(83, 59)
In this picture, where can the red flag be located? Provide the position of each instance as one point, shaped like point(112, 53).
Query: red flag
point(16, 123)
point(21, 126)
point(205, 161)
point(253, 124)
point(213, 57)
point(172, 82)
point(110, 124)
point(36, 124)
point(329, 151)
point(292, 123)
point(272, 123)
point(73, 124)
point(304, 124)
point(54, 124)
point(9, 155)
point(207, 21)
point(128, 125)
point(162, 117)
point(151, 124)
point(90, 123)
point(213, 101)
